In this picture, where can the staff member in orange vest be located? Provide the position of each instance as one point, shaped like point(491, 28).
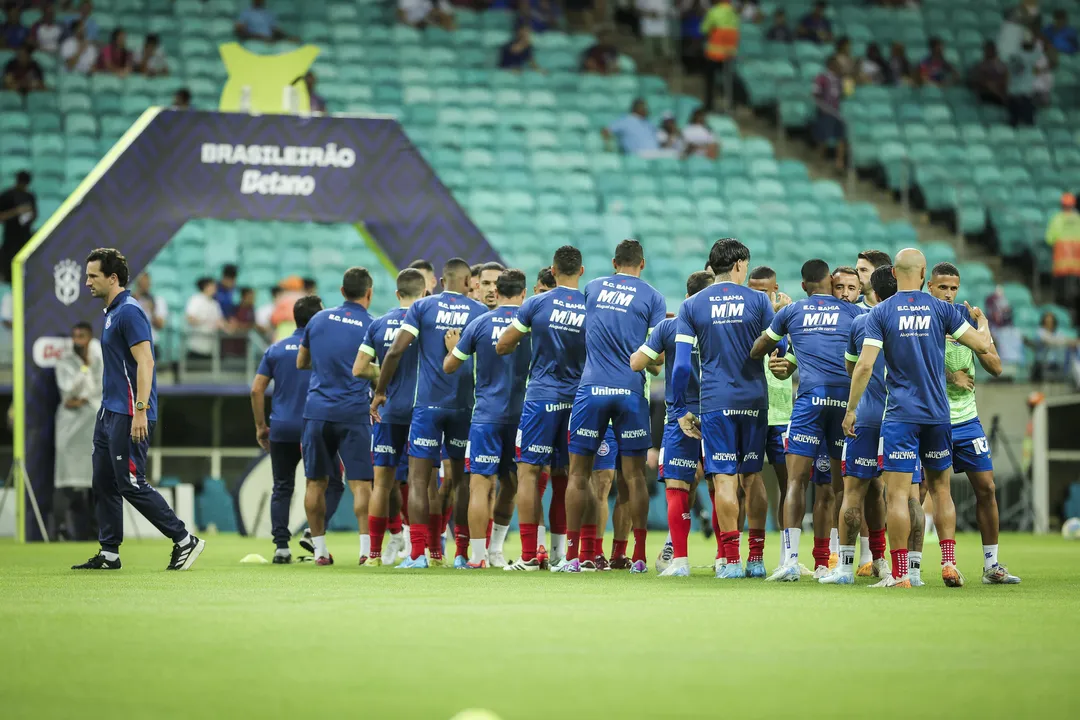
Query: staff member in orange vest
point(1063, 235)
point(721, 30)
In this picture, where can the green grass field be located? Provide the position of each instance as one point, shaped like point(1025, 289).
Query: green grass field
point(232, 640)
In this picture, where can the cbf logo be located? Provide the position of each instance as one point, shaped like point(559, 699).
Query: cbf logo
point(66, 278)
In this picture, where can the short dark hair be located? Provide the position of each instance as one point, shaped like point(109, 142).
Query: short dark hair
point(83, 325)
point(245, 290)
point(184, 95)
point(511, 282)
point(153, 38)
point(815, 271)
point(456, 267)
point(698, 281)
point(309, 284)
point(546, 278)
point(421, 264)
point(355, 283)
point(305, 308)
point(275, 291)
point(112, 262)
point(762, 272)
point(845, 270)
point(492, 266)
point(411, 283)
point(877, 258)
point(230, 271)
point(475, 269)
point(202, 282)
point(23, 177)
point(884, 282)
point(725, 253)
point(945, 268)
point(567, 261)
point(629, 253)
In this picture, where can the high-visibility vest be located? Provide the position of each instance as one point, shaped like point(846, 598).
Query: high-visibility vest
point(1064, 235)
point(721, 26)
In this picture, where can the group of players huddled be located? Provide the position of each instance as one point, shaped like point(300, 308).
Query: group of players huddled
point(465, 402)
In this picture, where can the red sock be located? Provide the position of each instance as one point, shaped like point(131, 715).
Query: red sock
point(618, 549)
point(557, 512)
point(587, 549)
point(528, 541)
point(376, 530)
point(447, 514)
point(757, 546)
point(639, 544)
point(394, 524)
point(488, 536)
point(678, 519)
point(899, 563)
point(573, 546)
point(948, 551)
point(461, 541)
point(405, 502)
point(877, 544)
point(541, 487)
point(821, 552)
point(434, 533)
point(716, 534)
point(730, 542)
point(418, 535)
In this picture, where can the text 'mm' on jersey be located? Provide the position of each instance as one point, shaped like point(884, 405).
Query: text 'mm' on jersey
point(621, 310)
point(427, 320)
point(726, 319)
point(910, 328)
point(556, 321)
point(819, 327)
point(401, 391)
point(500, 379)
point(332, 337)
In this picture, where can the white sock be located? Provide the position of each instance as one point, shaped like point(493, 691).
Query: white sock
point(914, 562)
point(865, 555)
point(184, 540)
point(541, 536)
point(320, 546)
point(834, 541)
point(110, 556)
point(929, 528)
point(558, 545)
point(989, 556)
point(283, 552)
point(478, 550)
point(365, 545)
point(783, 550)
point(847, 559)
point(791, 545)
point(498, 536)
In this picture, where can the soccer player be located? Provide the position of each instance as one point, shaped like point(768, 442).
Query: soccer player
point(486, 291)
point(970, 449)
point(500, 394)
point(867, 262)
point(336, 412)
point(622, 310)
point(390, 435)
point(910, 329)
point(556, 321)
point(126, 421)
point(545, 280)
point(846, 285)
point(818, 327)
point(443, 402)
point(680, 454)
point(723, 320)
point(428, 271)
point(595, 517)
point(474, 282)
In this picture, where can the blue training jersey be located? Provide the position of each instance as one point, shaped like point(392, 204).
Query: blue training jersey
point(872, 405)
point(620, 311)
point(428, 320)
point(819, 327)
point(290, 387)
point(401, 391)
point(726, 320)
point(556, 321)
point(126, 325)
point(332, 337)
point(500, 379)
point(662, 340)
point(910, 328)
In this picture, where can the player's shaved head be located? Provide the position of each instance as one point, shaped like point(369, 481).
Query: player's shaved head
point(698, 281)
point(305, 308)
point(411, 284)
point(456, 276)
point(511, 284)
point(629, 254)
point(910, 269)
point(567, 261)
point(883, 282)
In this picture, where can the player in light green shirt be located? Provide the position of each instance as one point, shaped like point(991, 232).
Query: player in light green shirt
point(970, 448)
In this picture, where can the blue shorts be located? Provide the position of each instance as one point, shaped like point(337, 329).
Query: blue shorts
point(491, 449)
point(607, 454)
point(904, 445)
point(733, 441)
point(542, 430)
point(970, 448)
point(817, 418)
point(595, 406)
point(401, 473)
point(325, 440)
point(774, 446)
point(679, 454)
point(862, 454)
point(822, 472)
point(434, 428)
point(388, 444)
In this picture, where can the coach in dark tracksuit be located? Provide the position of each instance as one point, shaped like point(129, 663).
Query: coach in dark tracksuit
point(126, 420)
point(282, 436)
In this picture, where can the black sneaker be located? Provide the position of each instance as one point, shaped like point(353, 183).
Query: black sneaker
point(98, 562)
point(184, 556)
point(305, 541)
point(282, 559)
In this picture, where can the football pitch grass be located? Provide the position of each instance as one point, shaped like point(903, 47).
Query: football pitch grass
point(227, 640)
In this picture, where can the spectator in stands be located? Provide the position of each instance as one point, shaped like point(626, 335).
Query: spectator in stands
point(79, 375)
point(721, 30)
point(900, 72)
point(1063, 237)
point(155, 307)
point(421, 13)
point(700, 140)
point(601, 58)
point(1027, 15)
point(204, 319)
point(18, 210)
point(115, 57)
point(669, 137)
point(828, 125)
point(1024, 66)
point(539, 15)
point(265, 313)
point(935, 69)
point(13, 34)
point(151, 60)
point(1062, 36)
point(226, 289)
point(1054, 350)
point(779, 30)
point(844, 59)
point(22, 74)
point(181, 99)
point(84, 18)
point(258, 23)
point(874, 68)
point(1007, 337)
point(750, 11)
point(814, 26)
point(310, 286)
point(580, 13)
point(318, 102)
point(633, 132)
point(990, 77)
point(78, 52)
point(240, 324)
point(655, 27)
point(518, 52)
point(47, 32)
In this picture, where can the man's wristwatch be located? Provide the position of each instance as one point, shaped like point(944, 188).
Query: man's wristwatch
point(139, 406)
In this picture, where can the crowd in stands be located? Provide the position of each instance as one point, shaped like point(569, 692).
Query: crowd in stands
point(635, 134)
